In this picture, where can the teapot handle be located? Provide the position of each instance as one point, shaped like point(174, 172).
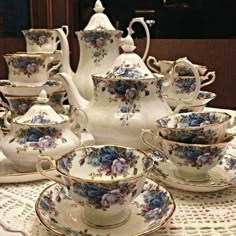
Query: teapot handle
point(143, 23)
point(193, 96)
point(65, 28)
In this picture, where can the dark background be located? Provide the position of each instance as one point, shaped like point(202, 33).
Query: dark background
point(202, 30)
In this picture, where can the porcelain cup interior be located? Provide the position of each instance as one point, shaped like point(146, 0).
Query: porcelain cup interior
point(195, 127)
point(19, 105)
point(202, 99)
point(30, 68)
point(194, 160)
point(104, 180)
point(40, 40)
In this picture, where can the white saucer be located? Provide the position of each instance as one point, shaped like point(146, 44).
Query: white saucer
point(149, 211)
point(221, 177)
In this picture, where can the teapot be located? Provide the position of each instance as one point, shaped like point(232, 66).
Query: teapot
point(127, 99)
point(39, 131)
point(99, 46)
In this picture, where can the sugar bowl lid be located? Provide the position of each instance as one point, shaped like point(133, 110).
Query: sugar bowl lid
point(99, 21)
point(41, 114)
point(129, 65)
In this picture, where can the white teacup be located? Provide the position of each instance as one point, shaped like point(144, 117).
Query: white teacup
point(42, 40)
point(29, 68)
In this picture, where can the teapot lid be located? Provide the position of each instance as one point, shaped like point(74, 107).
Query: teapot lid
point(99, 21)
point(129, 65)
point(41, 114)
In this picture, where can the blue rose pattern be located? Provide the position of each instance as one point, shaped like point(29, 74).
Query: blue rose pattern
point(98, 41)
point(26, 65)
point(185, 85)
point(103, 196)
point(156, 204)
point(128, 92)
point(111, 161)
point(39, 37)
point(196, 157)
point(38, 138)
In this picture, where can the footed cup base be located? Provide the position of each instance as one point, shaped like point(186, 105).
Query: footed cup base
point(106, 222)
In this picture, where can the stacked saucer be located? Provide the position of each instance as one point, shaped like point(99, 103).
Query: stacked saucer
point(195, 145)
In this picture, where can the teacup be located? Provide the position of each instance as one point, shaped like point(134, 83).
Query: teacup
point(29, 69)
point(103, 179)
point(199, 103)
point(192, 160)
point(19, 105)
point(195, 128)
point(165, 67)
point(42, 40)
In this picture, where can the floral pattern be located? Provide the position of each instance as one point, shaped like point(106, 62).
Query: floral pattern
point(196, 156)
point(41, 118)
point(199, 136)
point(185, 85)
point(98, 40)
point(102, 196)
point(126, 71)
point(37, 138)
point(19, 106)
point(155, 205)
point(39, 37)
point(26, 65)
point(128, 92)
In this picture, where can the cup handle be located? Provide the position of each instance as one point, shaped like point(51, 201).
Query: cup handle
point(155, 62)
point(6, 122)
point(54, 67)
point(206, 77)
point(172, 73)
point(48, 159)
point(143, 23)
point(144, 133)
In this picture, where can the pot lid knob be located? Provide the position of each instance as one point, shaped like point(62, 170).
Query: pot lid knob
point(42, 98)
point(128, 43)
point(98, 7)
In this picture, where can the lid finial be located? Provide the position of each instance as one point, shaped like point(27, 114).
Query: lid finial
point(128, 42)
point(98, 7)
point(42, 98)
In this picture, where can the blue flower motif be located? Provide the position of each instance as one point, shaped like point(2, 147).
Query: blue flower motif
point(121, 87)
point(92, 192)
point(107, 156)
point(155, 200)
point(124, 109)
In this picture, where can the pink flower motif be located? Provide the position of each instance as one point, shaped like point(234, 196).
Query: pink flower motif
point(32, 68)
point(46, 142)
point(130, 94)
point(42, 39)
point(119, 166)
point(111, 198)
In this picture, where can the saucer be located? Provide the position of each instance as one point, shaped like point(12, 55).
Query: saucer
point(149, 211)
point(220, 177)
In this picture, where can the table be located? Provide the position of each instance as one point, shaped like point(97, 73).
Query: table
point(17, 203)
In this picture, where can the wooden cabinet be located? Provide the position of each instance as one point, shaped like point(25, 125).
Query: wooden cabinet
point(217, 54)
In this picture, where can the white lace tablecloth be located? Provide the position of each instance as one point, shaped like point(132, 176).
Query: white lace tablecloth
point(197, 214)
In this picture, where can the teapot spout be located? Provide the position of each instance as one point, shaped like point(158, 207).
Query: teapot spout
point(75, 99)
point(65, 50)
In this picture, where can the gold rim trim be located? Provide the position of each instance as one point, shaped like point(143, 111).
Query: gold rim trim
point(144, 172)
point(193, 128)
point(149, 231)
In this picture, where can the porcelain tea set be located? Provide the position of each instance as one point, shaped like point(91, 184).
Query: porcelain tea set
point(110, 188)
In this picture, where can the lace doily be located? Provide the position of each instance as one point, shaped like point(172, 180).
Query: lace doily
point(197, 214)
